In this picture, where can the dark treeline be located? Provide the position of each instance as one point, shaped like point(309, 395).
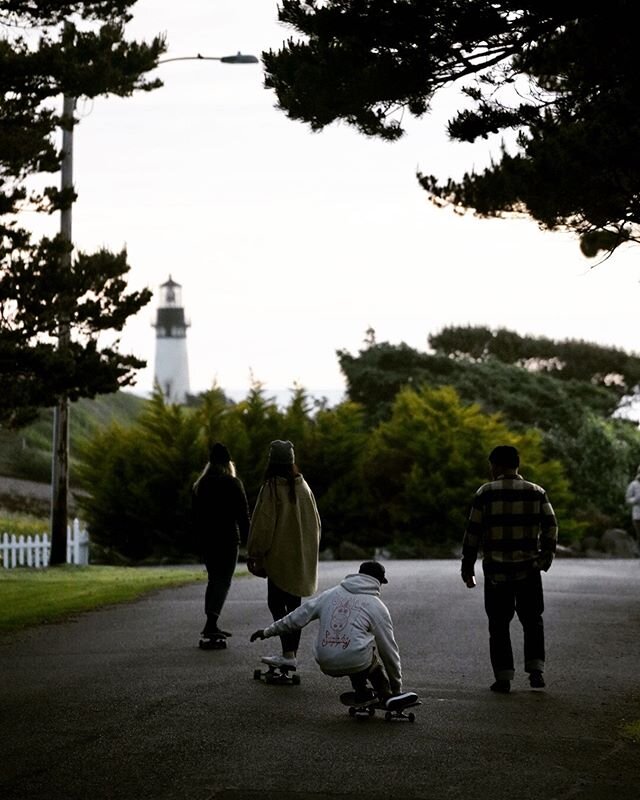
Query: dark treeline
point(394, 465)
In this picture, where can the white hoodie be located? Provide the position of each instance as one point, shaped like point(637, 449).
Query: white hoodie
point(353, 620)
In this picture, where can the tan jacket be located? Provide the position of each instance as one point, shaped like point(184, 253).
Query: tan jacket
point(285, 537)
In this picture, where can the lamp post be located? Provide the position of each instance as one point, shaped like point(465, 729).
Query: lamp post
point(60, 444)
point(60, 447)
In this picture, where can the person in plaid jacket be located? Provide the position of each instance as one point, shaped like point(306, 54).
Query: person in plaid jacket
point(513, 523)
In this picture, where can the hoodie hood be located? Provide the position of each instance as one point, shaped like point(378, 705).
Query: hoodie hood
point(361, 584)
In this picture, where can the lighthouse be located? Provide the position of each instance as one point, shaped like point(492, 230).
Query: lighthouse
point(172, 365)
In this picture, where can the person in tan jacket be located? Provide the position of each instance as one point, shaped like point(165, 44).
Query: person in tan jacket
point(284, 540)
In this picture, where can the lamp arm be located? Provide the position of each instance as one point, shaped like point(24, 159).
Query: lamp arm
point(191, 58)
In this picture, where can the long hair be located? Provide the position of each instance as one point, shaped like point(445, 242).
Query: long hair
point(215, 470)
point(288, 471)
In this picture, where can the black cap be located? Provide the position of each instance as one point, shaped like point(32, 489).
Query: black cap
point(374, 569)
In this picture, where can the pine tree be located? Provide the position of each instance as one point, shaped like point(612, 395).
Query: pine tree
point(559, 79)
point(54, 301)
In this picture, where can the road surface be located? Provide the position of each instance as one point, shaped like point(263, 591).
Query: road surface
point(120, 704)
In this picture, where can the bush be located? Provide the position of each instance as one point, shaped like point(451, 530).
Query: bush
point(423, 465)
point(22, 524)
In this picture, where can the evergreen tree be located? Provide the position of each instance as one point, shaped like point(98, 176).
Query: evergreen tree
point(55, 303)
point(599, 457)
point(526, 396)
point(569, 405)
point(608, 367)
point(332, 464)
point(45, 287)
point(248, 430)
point(212, 408)
point(528, 69)
point(138, 482)
point(424, 463)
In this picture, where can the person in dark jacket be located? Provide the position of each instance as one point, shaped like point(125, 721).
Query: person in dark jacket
point(221, 518)
point(514, 524)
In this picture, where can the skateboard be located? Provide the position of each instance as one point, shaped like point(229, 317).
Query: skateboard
point(277, 675)
point(368, 708)
point(213, 643)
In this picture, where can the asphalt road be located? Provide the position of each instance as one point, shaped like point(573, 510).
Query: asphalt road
point(121, 704)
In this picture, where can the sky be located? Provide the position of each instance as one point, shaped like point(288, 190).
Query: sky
point(290, 244)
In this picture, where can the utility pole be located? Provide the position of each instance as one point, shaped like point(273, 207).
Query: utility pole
point(60, 454)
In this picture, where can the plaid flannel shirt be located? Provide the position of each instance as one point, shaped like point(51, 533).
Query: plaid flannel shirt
point(514, 524)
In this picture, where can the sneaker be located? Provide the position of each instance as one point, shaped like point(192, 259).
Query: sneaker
point(501, 686)
point(366, 696)
point(401, 700)
point(214, 633)
point(348, 698)
point(536, 679)
point(280, 662)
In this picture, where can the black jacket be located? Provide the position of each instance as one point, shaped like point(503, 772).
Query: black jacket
point(220, 513)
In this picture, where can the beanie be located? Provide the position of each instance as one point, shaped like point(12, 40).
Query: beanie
point(281, 452)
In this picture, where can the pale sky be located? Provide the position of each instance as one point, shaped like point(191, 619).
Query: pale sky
point(290, 244)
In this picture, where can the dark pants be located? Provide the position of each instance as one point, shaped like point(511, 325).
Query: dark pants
point(501, 600)
point(220, 568)
point(280, 604)
point(636, 529)
point(376, 676)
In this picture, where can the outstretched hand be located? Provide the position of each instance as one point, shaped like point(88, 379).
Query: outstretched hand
point(259, 634)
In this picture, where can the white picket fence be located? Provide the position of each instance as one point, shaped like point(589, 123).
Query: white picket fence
point(34, 551)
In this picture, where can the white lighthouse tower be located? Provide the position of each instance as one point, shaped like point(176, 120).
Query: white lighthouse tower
point(172, 365)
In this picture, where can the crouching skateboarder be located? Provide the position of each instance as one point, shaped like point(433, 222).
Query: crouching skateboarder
point(355, 638)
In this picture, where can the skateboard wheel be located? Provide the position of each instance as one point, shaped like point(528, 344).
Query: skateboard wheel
point(212, 644)
point(295, 680)
point(371, 711)
point(388, 716)
point(256, 674)
point(352, 711)
point(412, 716)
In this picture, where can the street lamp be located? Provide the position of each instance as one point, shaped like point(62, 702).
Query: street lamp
point(239, 58)
point(60, 445)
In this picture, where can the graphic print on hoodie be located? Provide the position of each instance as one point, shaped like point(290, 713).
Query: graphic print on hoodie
point(338, 636)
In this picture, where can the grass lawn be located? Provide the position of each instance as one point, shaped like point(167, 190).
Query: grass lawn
point(36, 596)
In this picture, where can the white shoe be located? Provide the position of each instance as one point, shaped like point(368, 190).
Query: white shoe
point(401, 700)
point(280, 662)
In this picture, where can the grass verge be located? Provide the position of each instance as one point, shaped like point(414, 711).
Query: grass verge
point(37, 596)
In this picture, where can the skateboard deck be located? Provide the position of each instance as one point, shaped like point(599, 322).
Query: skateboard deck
point(369, 708)
point(280, 676)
